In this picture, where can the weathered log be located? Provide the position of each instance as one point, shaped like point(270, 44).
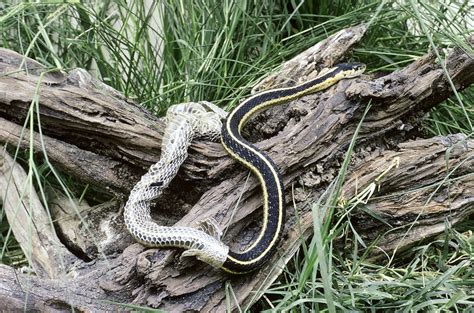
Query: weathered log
point(307, 141)
point(33, 229)
point(423, 209)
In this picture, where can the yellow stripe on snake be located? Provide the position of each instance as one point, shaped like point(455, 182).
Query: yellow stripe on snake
point(204, 119)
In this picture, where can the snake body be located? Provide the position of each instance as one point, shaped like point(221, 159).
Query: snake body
point(205, 243)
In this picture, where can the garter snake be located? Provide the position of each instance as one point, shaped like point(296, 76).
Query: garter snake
point(262, 166)
point(185, 121)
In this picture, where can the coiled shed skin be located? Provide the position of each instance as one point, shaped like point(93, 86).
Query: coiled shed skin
point(183, 123)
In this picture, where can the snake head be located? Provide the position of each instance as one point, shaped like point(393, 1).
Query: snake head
point(214, 253)
point(350, 70)
point(210, 249)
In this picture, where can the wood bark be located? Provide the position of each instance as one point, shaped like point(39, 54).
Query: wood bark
point(91, 132)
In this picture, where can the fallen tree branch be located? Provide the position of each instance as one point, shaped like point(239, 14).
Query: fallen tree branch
point(90, 167)
point(33, 229)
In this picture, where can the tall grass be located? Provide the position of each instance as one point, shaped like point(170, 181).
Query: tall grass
point(166, 52)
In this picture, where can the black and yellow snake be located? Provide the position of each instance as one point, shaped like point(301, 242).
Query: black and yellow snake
point(205, 243)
